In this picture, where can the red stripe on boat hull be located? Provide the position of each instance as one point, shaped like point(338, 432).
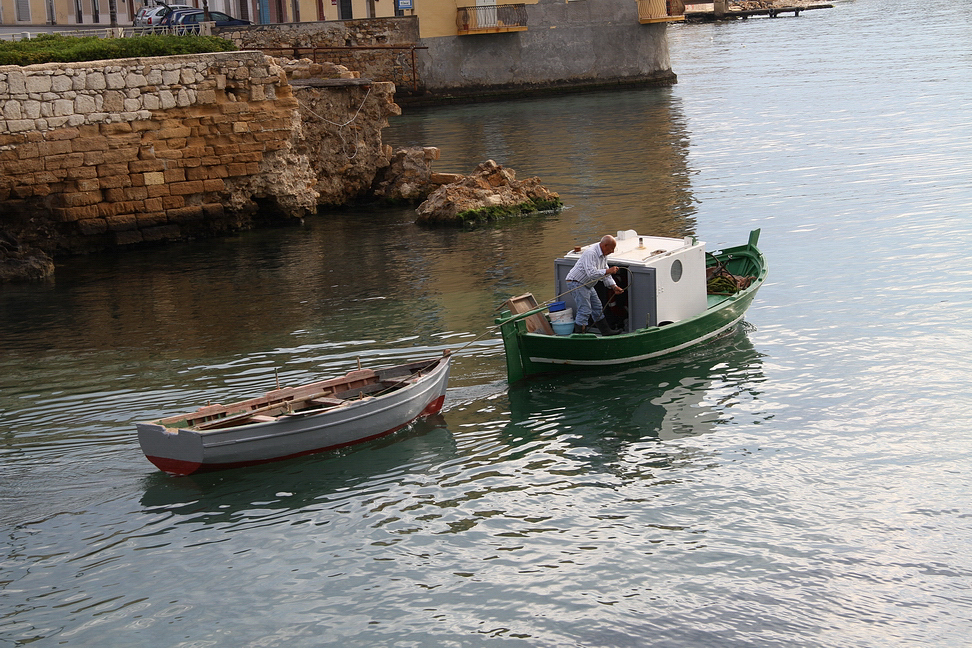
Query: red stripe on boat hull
point(434, 407)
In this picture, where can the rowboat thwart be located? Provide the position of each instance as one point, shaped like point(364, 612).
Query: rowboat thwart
point(294, 421)
point(676, 295)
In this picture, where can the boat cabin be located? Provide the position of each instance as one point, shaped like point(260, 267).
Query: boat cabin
point(664, 280)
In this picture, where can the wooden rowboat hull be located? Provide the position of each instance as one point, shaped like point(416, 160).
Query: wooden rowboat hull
point(185, 449)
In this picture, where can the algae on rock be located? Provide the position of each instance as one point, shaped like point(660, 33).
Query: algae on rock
point(489, 193)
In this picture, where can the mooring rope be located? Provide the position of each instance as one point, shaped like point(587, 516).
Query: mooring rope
point(491, 329)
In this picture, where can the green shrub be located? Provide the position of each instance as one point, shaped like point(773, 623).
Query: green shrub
point(56, 48)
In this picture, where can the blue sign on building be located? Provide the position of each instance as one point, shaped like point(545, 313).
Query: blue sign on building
point(404, 4)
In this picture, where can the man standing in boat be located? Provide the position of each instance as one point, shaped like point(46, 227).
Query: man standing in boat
point(589, 269)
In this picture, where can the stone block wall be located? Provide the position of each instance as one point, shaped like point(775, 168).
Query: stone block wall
point(345, 155)
point(96, 155)
point(382, 49)
point(111, 153)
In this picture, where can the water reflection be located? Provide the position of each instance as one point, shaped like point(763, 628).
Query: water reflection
point(374, 275)
point(600, 512)
point(608, 410)
point(632, 168)
point(260, 493)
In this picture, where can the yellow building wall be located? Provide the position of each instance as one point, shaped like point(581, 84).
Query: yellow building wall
point(37, 16)
point(438, 17)
point(359, 9)
point(308, 10)
point(65, 13)
point(6, 15)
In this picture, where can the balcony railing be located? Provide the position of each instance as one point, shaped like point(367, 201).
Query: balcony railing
point(654, 11)
point(491, 19)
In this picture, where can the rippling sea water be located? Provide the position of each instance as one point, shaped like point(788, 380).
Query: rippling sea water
point(802, 482)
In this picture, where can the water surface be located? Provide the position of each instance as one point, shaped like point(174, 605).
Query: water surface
point(802, 482)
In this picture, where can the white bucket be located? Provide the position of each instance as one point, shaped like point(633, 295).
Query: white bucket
point(566, 315)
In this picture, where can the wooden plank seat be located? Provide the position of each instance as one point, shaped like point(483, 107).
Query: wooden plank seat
point(322, 402)
point(363, 390)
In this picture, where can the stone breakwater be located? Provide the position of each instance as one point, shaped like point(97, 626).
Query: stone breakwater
point(99, 154)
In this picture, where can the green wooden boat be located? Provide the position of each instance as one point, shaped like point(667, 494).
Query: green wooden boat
point(676, 295)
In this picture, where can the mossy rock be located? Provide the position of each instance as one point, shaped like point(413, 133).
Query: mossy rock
point(502, 212)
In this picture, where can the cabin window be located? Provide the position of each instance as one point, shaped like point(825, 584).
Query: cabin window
point(676, 270)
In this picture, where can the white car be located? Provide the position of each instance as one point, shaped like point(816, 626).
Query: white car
point(148, 16)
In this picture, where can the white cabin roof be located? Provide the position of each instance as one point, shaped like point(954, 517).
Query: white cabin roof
point(637, 249)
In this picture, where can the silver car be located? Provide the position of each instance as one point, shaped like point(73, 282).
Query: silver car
point(149, 16)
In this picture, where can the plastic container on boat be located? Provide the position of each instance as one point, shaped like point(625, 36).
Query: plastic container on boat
point(558, 312)
point(563, 328)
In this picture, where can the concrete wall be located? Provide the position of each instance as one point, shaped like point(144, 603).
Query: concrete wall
point(577, 43)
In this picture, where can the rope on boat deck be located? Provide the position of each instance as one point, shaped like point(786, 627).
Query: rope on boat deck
point(488, 331)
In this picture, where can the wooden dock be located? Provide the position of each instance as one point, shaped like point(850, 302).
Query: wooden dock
point(700, 16)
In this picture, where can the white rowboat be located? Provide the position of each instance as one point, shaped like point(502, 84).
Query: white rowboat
point(294, 421)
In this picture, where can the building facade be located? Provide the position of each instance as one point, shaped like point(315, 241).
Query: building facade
point(480, 49)
point(98, 12)
point(490, 46)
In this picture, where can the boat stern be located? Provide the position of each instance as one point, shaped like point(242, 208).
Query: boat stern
point(438, 391)
point(510, 330)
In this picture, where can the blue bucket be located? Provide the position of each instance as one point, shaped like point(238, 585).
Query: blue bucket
point(563, 328)
point(556, 306)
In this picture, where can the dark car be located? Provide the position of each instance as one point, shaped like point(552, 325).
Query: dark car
point(192, 17)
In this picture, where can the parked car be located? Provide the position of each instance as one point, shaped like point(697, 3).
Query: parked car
point(170, 18)
point(149, 16)
point(191, 18)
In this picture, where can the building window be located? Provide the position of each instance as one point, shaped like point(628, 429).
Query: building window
point(23, 10)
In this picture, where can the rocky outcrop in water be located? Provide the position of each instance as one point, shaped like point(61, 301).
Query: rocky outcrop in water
point(409, 176)
point(20, 262)
point(489, 193)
